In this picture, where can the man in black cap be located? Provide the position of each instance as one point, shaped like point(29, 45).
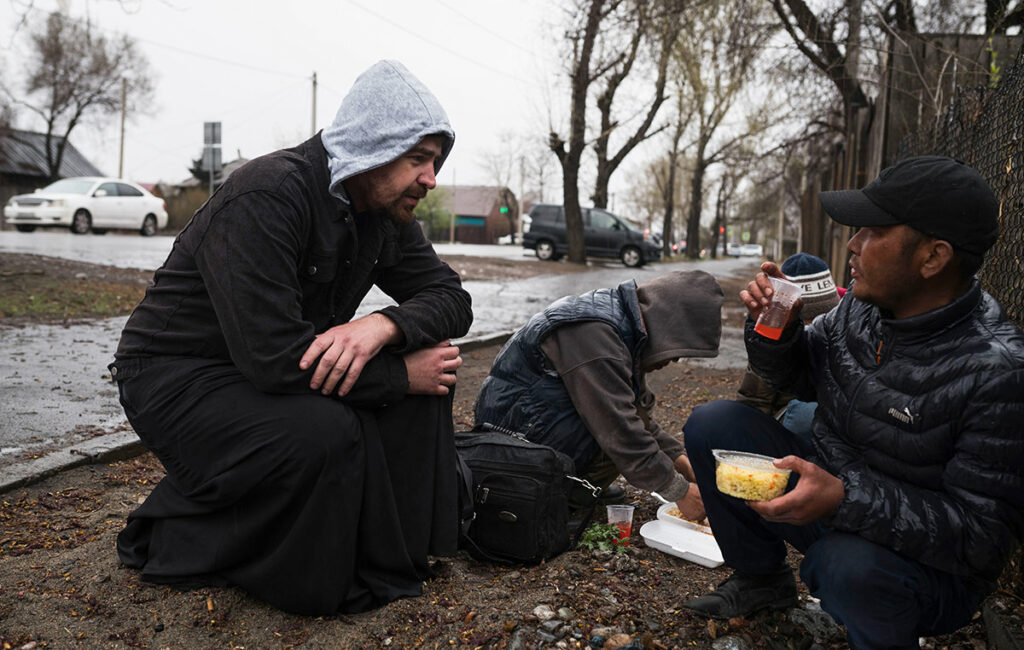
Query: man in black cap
point(910, 497)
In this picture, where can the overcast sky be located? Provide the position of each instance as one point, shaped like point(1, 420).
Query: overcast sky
point(248, 64)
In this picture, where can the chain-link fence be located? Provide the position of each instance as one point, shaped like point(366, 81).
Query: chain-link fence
point(984, 127)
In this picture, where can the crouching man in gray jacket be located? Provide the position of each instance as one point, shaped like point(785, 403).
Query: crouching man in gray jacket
point(574, 378)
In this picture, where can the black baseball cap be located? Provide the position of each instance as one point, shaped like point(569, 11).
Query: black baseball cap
point(936, 195)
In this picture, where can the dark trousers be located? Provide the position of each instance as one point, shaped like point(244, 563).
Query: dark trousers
point(884, 599)
point(301, 500)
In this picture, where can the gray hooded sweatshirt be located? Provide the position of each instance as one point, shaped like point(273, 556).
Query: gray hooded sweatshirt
point(682, 317)
point(366, 133)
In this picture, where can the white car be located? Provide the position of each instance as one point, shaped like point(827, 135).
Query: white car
point(751, 250)
point(88, 203)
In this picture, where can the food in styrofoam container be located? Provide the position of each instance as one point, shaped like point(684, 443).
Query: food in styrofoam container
point(673, 511)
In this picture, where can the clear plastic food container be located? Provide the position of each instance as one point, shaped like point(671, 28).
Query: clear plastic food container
point(752, 477)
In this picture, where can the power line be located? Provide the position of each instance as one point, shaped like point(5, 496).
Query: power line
point(182, 50)
point(487, 29)
point(437, 45)
point(208, 57)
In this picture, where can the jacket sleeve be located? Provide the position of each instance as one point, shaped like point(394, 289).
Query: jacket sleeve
point(596, 369)
point(432, 305)
point(249, 260)
point(787, 365)
point(971, 524)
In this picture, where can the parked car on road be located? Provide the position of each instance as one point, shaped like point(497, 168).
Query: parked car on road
point(604, 235)
point(88, 203)
point(751, 250)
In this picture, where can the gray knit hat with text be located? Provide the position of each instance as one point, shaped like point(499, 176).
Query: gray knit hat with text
point(814, 277)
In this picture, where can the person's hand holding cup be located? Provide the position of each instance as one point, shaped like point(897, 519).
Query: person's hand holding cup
point(772, 300)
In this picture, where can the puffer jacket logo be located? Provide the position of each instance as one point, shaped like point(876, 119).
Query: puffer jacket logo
point(906, 417)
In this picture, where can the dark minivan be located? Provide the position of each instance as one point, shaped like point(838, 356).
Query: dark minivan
point(604, 235)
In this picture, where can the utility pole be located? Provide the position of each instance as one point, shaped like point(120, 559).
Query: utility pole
point(211, 150)
point(780, 226)
point(313, 132)
point(451, 222)
point(124, 109)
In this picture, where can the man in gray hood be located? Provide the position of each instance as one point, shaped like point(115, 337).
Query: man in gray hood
point(310, 456)
point(574, 378)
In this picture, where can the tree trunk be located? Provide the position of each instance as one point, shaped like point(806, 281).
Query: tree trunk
point(693, 223)
point(570, 158)
point(670, 206)
point(696, 199)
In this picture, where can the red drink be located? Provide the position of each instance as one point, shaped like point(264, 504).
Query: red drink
point(625, 531)
point(768, 331)
point(772, 321)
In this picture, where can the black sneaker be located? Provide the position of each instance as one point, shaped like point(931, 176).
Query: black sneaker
point(743, 594)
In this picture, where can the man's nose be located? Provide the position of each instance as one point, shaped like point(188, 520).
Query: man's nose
point(854, 244)
point(427, 178)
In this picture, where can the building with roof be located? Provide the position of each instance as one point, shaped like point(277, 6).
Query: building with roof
point(477, 210)
point(23, 167)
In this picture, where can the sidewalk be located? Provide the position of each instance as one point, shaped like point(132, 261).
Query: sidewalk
point(65, 408)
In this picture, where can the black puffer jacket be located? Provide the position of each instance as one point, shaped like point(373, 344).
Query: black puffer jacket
point(922, 419)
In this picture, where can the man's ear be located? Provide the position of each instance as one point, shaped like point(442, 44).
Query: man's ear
point(938, 255)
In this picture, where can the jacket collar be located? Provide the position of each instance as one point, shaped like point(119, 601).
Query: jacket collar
point(941, 318)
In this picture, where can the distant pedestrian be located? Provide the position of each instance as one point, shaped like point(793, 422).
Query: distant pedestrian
point(910, 499)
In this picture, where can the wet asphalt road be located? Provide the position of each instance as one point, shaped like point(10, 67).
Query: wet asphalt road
point(54, 384)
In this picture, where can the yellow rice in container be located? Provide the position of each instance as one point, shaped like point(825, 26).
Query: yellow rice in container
point(748, 476)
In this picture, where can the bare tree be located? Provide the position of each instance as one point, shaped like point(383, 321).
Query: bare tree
point(1001, 15)
point(717, 62)
point(501, 165)
point(815, 37)
point(683, 112)
point(657, 26)
point(585, 68)
point(73, 73)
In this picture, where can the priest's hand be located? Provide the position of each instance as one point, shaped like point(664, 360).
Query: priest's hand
point(432, 370)
point(817, 494)
point(345, 349)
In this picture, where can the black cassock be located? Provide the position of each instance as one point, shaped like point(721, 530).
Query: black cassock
point(301, 500)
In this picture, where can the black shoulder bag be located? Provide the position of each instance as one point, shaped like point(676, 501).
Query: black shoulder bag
point(515, 500)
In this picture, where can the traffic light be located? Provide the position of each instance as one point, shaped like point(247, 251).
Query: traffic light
point(503, 209)
point(721, 230)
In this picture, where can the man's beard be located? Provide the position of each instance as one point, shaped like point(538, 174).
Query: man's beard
point(398, 212)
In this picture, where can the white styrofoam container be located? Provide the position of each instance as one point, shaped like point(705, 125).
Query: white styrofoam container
point(682, 539)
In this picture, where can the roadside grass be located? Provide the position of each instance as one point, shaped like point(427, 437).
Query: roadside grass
point(33, 296)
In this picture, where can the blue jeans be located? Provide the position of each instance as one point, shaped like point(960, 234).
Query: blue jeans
point(798, 417)
point(884, 599)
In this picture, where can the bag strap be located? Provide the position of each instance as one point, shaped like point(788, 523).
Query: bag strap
point(595, 493)
point(467, 513)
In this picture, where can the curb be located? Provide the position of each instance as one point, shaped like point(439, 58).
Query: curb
point(104, 449)
point(119, 446)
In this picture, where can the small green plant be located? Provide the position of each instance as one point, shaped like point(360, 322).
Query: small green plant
point(601, 537)
point(994, 70)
